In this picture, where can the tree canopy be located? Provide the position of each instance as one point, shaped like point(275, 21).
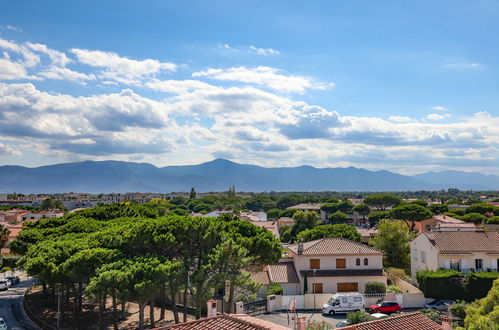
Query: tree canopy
point(339, 230)
point(383, 201)
point(393, 238)
point(410, 212)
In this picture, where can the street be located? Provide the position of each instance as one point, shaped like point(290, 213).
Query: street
point(11, 306)
point(282, 318)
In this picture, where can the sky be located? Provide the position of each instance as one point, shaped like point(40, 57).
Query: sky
point(404, 86)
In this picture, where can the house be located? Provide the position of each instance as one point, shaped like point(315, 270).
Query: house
point(328, 265)
point(409, 321)
point(428, 224)
point(46, 214)
point(285, 221)
point(367, 234)
point(262, 216)
point(227, 322)
point(283, 273)
point(311, 207)
point(461, 250)
point(14, 215)
point(269, 225)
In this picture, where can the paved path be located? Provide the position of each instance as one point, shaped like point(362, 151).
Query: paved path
point(11, 310)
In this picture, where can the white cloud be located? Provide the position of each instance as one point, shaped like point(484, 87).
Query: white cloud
point(13, 28)
point(5, 150)
point(440, 108)
point(265, 76)
point(401, 119)
point(264, 51)
point(59, 73)
point(11, 70)
point(122, 69)
point(435, 116)
point(177, 86)
point(464, 65)
point(30, 59)
point(58, 58)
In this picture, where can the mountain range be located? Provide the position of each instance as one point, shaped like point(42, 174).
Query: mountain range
point(219, 174)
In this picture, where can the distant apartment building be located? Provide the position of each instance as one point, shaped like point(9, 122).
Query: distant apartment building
point(310, 207)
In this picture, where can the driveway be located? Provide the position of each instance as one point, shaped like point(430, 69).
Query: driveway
point(11, 310)
point(288, 320)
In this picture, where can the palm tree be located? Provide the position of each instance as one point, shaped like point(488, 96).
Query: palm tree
point(4, 236)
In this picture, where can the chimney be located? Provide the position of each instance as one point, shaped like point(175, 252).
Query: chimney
point(300, 248)
point(211, 308)
point(446, 322)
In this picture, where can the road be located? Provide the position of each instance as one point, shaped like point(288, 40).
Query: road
point(282, 318)
point(11, 306)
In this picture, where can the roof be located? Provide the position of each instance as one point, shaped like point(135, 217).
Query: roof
point(227, 322)
point(307, 206)
point(342, 272)
point(456, 225)
point(334, 246)
point(15, 211)
point(261, 276)
point(286, 219)
point(283, 272)
point(447, 219)
point(465, 241)
point(409, 321)
point(269, 225)
point(367, 232)
point(493, 227)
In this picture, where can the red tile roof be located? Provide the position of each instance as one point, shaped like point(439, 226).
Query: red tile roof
point(261, 276)
point(283, 272)
point(307, 206)
point(343, 272)
point(334, 246)
point(410, 321)
point(465, 241)
point(447, 219)
point(227, 322)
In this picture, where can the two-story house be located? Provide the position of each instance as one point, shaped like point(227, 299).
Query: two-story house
point(328, 265)
point(461, 250)
point(441, 221)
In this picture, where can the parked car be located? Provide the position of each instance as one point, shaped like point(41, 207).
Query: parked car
point(14, 279)
point(386, 307)
point(379, 316)
point(440, 305)
point(344, 303)
point(341, 324)
point(2, 324)
point(4, 285)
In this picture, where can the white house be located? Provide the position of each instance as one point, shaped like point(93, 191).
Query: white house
point(329, 265)
point(310, 207)
point(461, 250)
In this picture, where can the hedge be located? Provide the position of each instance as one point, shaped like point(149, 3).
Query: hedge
point(274, 288)
point(9, 262)
point(375, 287)
point(451, 284)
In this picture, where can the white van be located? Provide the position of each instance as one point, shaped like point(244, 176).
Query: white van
point(341, 303)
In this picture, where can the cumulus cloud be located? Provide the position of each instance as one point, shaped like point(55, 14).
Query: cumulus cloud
point(434, 116)
point(264, 51)
point(122, 69)
point(439, 108)
point(265, 76)
point(11, 70)
point(59, 73)
point(400, 119)
point(58, 58)
point(177, 86)
point(5, 150)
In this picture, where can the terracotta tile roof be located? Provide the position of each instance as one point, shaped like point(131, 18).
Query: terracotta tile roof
point(343, 272)
point(227, 322)
point(334, 246)
point(269, 225)
point(307, 206)
point(367, 232)
point(456, 225)
point(410, 321)
point(261, 276)
point(465, 241)
point(447, 219)
point(283, 272)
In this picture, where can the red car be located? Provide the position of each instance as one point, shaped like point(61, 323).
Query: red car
point(385, 307)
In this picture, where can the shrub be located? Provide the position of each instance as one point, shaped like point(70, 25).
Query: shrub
point(323, 325)
point(483, 313)
point(493, 220)
point(392, 273)
point(459, 309)
point(432, 315)
point(477, 285)
point(6, 269)
point(274, 288)
point(394, 289)
point(358, 317)
point(375, 287)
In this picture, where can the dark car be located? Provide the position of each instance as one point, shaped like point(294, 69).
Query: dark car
point(440, 305)
point(14, 279)
point(386, 307)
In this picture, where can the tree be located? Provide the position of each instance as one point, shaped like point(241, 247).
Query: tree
point(304, 220)
point(338, 217)
point(484, 313)
point(4, 235)
point(274, 288)
point(231, 193)
point(322, 231)
point(421, 202)
point(393, 238)
point(362, 210)
point(476, 218)
point(493, 220)
point(439, 208)
point(382, 202)
point(273, 213)
point(192, 195)
point(376, 216)
point(410, 212)
point(482, 208)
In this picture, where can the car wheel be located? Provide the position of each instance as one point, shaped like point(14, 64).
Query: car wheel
point(331, 313)
point(398, 311)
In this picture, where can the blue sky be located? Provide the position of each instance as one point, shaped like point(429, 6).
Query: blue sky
point(403, 86)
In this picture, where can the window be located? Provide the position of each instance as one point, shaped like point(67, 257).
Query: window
point(357, 299)
point(317, 287)
point(478, 264)
point(315, 263)
point(415, 255)
point(455, 264)
point(344, 300)
point(357, 261)
point(366, 262)
point(423, 256)
point(341, 263)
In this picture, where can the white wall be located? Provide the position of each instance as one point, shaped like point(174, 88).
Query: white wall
point(302, 262)
point(330, 284)
point(421, 243)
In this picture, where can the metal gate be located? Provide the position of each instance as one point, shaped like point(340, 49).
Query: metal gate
point(255, 307)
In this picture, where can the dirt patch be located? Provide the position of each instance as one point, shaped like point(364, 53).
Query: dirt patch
point(44, 310)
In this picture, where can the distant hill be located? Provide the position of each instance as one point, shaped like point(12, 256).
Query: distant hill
point(219, 174)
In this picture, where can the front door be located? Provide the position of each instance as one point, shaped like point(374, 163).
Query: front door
point(348, 287)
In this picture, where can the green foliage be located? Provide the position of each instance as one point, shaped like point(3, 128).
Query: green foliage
point(459, 212)
point(421, 202)
point(338, 230)
point(288, 213)
point(6, 269)
point(481, 208)
point(319, 325)
point(493, 220)
point(273, 214)
point(432, 315)
point(484, 313)
point(274, 288)
point(394, 289)
point(439, 208)
point(362, 209)
point(476, 218)
point(496, 211)
point(304, 220)
point(459, 309)
point(359, 317)
point(411, 212)
point(393, 238)
point(376, 216)
point(375, 287)
point(383, 201)
point(338, 217)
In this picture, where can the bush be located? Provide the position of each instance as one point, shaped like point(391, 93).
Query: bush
point(394, 289)
point(375, 287)
point(9, 262)
point(323, 325)
point(359, 317)
point(483, 313)
point(477, 285)
point(476, 218)
point(274, 288)
point(392, 273)
point(432, 315)
point(459, 309)
point(6, 269)
point(493, 220)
